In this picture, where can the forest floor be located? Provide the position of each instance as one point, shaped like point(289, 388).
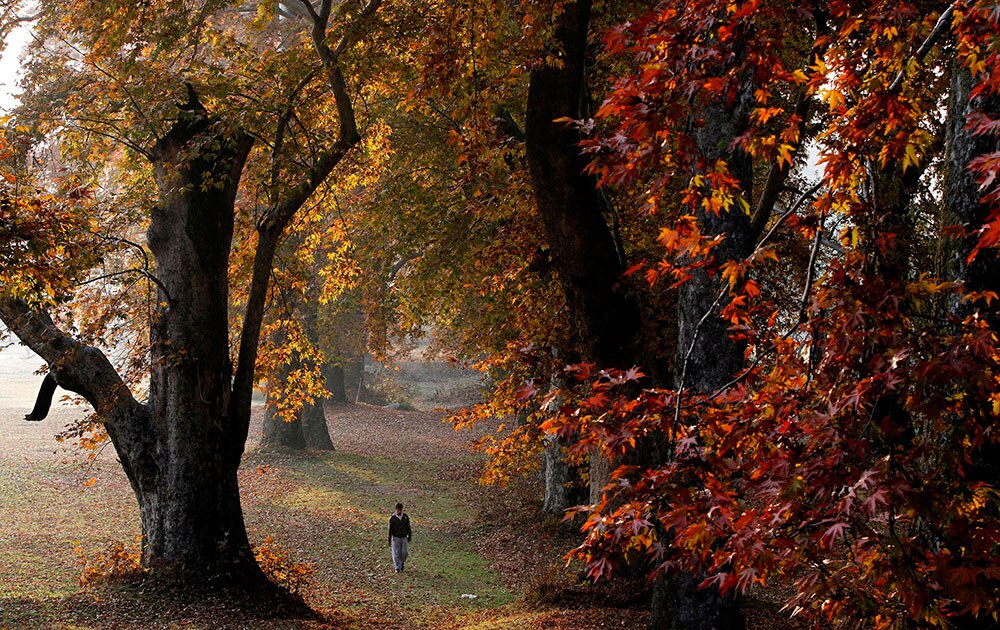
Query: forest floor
point(481, 558)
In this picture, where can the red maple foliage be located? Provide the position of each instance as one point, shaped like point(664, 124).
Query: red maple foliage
point(852, 453)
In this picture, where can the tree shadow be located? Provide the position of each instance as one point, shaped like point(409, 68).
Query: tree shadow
point(147, 602)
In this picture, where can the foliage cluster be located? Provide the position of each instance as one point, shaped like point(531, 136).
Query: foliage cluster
point(852, 453)
point(118, 561)
point(295, 577)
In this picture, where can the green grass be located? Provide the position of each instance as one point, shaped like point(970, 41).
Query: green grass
point(347, 497)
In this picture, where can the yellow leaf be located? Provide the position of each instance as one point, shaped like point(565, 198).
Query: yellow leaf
point(785, 154)
point(835, 99)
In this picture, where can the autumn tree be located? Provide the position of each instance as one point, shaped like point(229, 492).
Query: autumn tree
point(846, 449)
point(311, 332)
point(98, 70)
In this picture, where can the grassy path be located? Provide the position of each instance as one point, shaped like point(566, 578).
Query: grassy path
point(333, 508)
point(327, 509)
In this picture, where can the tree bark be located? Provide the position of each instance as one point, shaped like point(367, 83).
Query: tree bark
point(336, 382)
point(963, 206)
point(962, 196)
point(706, 355)
point(572, 209)
point(584, 252)
point(314, 427)
point(556, 474)
point(190, 506)
point(179, 451)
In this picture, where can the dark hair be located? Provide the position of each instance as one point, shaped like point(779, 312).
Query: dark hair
point(399, 506)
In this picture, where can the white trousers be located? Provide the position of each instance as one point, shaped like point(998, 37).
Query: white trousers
point(400, 549)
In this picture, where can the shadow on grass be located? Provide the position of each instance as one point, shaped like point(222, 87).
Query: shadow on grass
point(145, 603)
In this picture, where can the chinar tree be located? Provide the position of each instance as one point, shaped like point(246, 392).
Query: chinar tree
point(212, 122)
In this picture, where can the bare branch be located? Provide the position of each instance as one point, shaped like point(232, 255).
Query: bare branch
point(694, 340)
point(279, 134)
point(75, 366)
point(310, 10)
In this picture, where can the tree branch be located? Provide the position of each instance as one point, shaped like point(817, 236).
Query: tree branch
point(279, 134)
point(939, 28)
point(77, 367)
point(277, 219)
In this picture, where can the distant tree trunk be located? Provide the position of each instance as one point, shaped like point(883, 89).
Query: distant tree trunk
point(354, 378)
point(336, 382)
point(314, 427)
point(557, 474)
point(313, 416)
point(307, 429)
point(278, 432)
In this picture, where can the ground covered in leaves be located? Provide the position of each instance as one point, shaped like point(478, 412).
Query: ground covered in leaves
point(324, 510)
point(481, 558)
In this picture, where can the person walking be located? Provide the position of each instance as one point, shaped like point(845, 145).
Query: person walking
point(399, 537)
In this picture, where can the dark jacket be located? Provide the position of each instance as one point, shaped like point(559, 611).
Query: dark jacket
point(399, 526)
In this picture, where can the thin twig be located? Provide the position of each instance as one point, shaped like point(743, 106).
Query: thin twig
point(680, 387)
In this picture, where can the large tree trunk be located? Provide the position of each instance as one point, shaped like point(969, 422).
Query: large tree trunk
point(573, 212)
point(706, 356)
point(190, 503)
point(571, 207)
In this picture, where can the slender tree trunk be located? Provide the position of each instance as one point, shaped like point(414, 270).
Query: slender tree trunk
point(279, 432)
